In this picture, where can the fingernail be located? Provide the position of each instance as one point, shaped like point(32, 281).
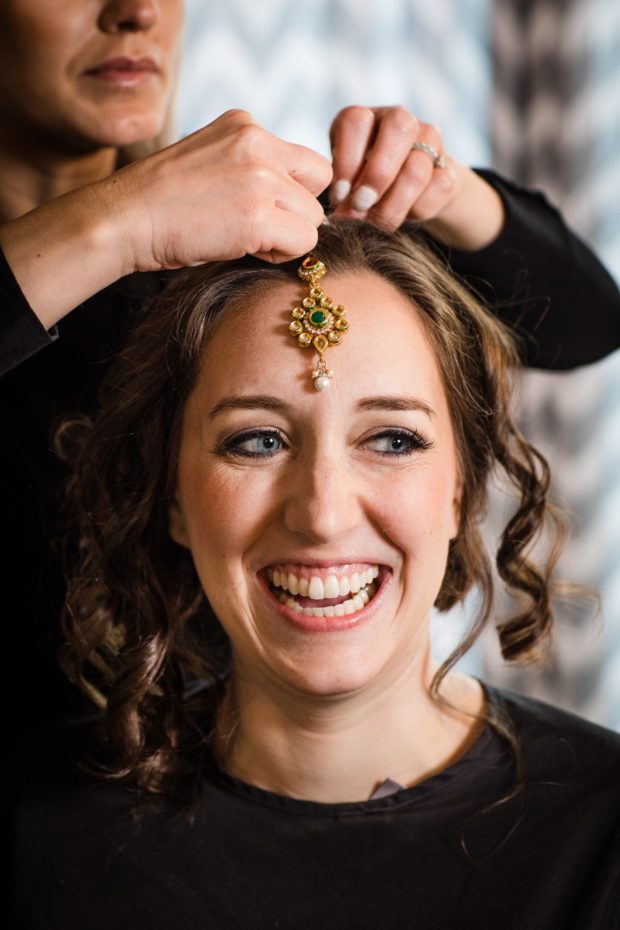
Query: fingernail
point(340, 191)
point(364, 198)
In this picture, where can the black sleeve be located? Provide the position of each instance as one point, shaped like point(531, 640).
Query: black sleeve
point(543, 282)
point(21, 332)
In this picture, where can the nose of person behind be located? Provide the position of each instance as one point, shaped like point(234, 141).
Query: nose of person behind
point(130, 15)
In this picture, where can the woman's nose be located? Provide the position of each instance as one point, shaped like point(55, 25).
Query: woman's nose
point(129, 15)
point(322, 500)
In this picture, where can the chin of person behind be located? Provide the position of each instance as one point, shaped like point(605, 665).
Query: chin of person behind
point(273, 742)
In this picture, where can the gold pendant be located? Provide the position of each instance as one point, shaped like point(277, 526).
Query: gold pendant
point(318, 322)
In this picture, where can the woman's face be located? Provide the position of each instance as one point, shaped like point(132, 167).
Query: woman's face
point(78, 73)
point(290, 500)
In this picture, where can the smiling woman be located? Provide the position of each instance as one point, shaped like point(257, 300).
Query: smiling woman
point(255, 570)
point(362, 481)
point(375, 487)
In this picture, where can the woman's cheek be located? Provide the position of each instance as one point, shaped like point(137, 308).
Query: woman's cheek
point(418, 512)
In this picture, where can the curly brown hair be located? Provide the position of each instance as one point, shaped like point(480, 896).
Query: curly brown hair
point(139, 631)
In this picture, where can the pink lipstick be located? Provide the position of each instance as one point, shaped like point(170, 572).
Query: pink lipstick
point(124, 72)
point(325, 610)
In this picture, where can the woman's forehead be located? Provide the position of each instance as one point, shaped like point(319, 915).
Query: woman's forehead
point(385, 350)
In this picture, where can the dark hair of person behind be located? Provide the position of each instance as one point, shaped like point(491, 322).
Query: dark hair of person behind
point(139, 633)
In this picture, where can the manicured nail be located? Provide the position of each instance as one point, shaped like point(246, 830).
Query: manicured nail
point(364, 198)
point(340, 190)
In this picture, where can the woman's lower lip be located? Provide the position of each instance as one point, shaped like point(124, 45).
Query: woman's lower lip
point(311, 624)
point(120, 78)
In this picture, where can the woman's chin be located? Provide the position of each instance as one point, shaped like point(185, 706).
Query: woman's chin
point(339, 675)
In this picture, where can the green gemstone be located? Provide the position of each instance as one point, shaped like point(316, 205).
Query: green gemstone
point(318, 318)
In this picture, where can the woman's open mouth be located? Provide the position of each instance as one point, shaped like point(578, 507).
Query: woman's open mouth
point(336, 592)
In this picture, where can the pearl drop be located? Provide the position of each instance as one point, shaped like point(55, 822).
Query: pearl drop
point(322, 383)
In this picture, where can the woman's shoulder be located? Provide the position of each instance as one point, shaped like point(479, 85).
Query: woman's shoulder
point(558, 747)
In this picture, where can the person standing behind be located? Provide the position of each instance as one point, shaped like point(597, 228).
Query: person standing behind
point(79, 83)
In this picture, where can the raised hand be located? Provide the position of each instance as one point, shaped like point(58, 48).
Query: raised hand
point(228, 190)
point(390, 167)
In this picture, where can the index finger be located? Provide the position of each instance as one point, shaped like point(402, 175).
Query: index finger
point(351, 135)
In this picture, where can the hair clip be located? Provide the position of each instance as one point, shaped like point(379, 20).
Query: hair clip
point(318, 322)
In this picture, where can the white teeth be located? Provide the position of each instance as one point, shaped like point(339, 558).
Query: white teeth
point(316, 590)
point(331, 587)
point(346, 583)
point(358, 585)
point(351, 606)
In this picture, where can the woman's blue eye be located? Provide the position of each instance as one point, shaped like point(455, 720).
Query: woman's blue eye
point(254, 444)
point(397, 442)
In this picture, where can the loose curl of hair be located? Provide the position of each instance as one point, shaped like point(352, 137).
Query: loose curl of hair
point(139, 632)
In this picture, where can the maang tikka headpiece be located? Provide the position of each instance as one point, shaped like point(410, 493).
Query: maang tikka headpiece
point(318, 323)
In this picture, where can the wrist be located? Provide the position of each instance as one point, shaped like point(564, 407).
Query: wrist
point(108, 225)
point(473, 219)
point(64, 251)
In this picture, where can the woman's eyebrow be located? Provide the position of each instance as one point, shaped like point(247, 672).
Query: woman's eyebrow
point(396, 402)
point(249, 402)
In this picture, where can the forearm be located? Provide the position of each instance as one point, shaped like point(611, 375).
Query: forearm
point(544, 282)
point(507, 244)
point(64, 251)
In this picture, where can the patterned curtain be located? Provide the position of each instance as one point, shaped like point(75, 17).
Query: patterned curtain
point(555, 119)
point(295, 64)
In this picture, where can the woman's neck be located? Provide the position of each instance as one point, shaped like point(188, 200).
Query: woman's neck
point(336, 750)
point(31, 178)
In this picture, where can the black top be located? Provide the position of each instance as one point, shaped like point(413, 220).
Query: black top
point(539, 277)
point(431, 856)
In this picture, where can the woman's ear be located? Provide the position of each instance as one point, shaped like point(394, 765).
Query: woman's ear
point(176, 523)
